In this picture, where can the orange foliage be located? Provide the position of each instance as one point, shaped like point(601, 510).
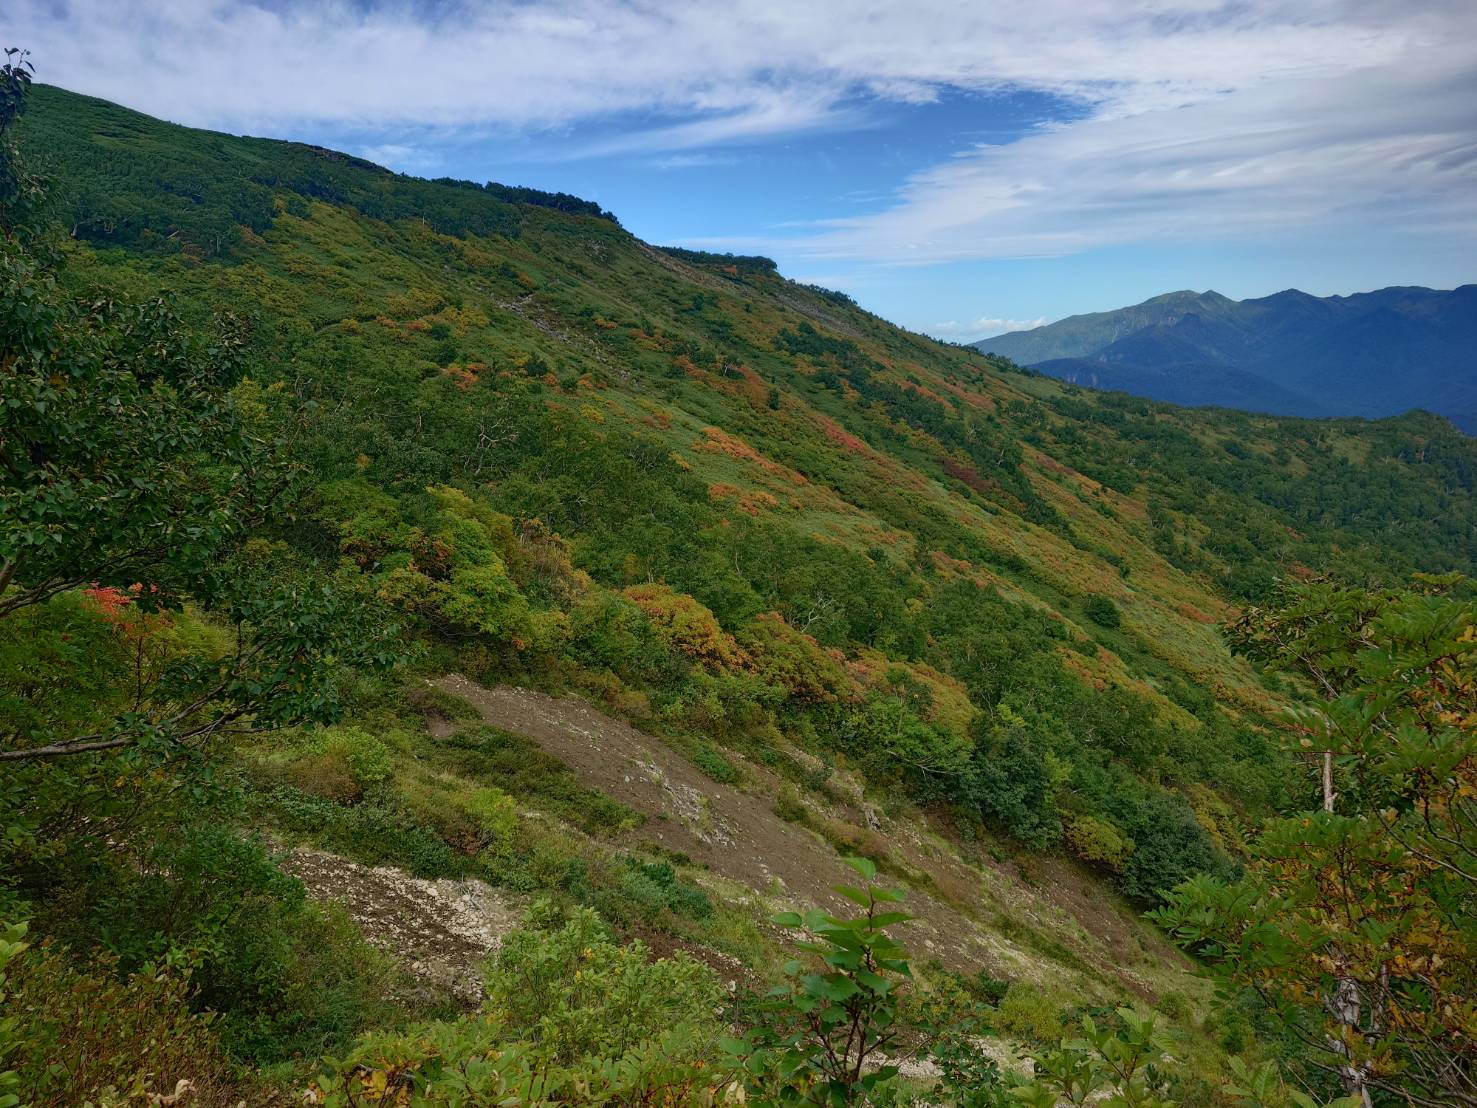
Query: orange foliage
point(688, 627)
point(841, 438)
point(751, 502)
point(110, 602)
point(795, 662)
point(464, 377)
point(718, 441)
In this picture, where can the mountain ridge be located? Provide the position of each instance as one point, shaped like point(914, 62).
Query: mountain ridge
point(1369, 354)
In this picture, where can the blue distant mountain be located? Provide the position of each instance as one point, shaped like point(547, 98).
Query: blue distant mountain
point(1371, 354)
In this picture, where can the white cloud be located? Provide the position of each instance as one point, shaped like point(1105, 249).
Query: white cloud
point(1194, 117)
point(983, 327)
point(1380, 147)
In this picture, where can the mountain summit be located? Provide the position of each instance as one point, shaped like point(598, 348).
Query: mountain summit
point(1372, 354)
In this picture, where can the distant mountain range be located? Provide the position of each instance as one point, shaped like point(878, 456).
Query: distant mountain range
point(1371, 354)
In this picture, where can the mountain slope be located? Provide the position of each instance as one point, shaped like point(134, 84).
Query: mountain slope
point(746, 513)
point(1371, 354)
point(708, 579)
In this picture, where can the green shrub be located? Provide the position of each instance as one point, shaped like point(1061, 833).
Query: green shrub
point(657, 886)
point(367, 757)
point(1099, 842)
point(1174, 1005)
point(520, 768)
point(573, 993)
point(1030, 1013)
point(327, 776)
point(286, 977)
point(375, 833)
point(435, 703)
point(790, 809)
point(1102, 611)
point(454, 1064)
point(99, 1036)
point(495, 815)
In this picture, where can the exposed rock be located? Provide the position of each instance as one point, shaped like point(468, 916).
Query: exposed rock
point(442, 929)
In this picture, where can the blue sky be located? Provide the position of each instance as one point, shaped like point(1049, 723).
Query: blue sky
point(959, 168)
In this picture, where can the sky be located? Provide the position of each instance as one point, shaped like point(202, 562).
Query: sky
point(960, 168)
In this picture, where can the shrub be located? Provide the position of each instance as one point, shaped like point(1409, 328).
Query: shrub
point(1102, 611)
point(521, 768)
point(715, 765)
point(432, 702)
point(1170, 847)
point(573, 993)
point(453, 1064)
point(97, 1036)
point(688, 627)
point(1099, 842)
point(496, 815)
point(787, 806)
point(367, 757)
point(327, 776)
point(1030, 1013)
point(657, 886)
point(1010, 782)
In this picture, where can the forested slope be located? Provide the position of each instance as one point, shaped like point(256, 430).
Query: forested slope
point(708, 470)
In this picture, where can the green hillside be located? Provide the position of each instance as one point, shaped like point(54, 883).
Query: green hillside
point(913, 602)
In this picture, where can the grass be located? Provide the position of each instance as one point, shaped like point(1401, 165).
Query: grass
point(520, 768)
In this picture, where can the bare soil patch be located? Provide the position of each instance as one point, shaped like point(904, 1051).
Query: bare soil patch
point(732, 833)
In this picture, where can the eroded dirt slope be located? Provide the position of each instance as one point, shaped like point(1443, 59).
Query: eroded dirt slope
point(736, 835)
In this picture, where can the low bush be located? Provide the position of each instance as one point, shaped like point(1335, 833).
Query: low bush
point(100, 1036)
point(715, 765)
point(572, 993)
point(1102, 611)
point(1030, 1013)
point(1099, 842)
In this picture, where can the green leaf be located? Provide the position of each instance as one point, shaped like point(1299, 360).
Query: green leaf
point(864, 866)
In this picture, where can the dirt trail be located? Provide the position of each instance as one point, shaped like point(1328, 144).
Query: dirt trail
point(732, 833)
point(442, 929)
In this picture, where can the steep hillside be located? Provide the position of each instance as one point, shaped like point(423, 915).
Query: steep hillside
point(1372, 354)
point(713, 578)
point(716, 447)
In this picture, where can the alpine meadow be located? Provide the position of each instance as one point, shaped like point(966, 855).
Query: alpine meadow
point(456, 653)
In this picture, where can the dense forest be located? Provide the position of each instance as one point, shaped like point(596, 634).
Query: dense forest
point(306, 464)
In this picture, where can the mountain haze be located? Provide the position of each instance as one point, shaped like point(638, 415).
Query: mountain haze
point(1371, 354)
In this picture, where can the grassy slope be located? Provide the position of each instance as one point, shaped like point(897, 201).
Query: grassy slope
point(779, 448)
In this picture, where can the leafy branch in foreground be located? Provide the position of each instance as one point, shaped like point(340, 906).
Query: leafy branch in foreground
point(129, 468)
point(1358, 925)
point(821, 1037)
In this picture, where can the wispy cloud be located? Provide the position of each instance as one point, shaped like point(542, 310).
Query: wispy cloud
point(1189, 118)
point(694, 161)
point(398, 156)
point(1389, 146)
